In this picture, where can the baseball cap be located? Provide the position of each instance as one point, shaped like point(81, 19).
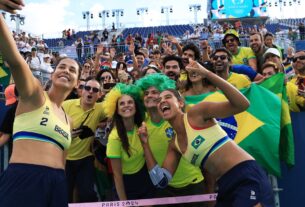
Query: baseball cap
point(9, 93)
point(273, 51)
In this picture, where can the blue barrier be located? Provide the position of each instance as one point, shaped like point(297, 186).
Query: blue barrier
point(293, 179)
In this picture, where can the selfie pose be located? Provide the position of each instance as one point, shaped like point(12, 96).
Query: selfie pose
point(200, 140)
point(35, 175)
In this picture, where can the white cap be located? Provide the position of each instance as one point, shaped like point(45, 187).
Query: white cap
point(273, 51)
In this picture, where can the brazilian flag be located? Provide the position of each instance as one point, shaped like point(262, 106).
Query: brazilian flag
point(256, 130)
point(276, 85)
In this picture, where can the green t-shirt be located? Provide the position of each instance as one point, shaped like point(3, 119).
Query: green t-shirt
point(130, 164)
point(186, 173)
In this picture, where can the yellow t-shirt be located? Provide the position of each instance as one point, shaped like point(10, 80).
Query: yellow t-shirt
point(243, 56)
point(80, 148)
point(294, 100)
point(239, 80)
point(130, 164)
point(159, 138)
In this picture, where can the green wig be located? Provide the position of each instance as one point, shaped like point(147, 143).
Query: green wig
point(158, 80)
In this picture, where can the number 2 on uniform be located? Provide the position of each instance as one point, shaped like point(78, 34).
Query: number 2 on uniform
point(44, 121)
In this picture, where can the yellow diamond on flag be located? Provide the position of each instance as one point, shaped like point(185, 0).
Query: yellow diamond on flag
point(2, 73)
point(244, 128)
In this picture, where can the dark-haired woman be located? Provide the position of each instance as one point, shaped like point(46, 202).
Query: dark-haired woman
point(124, 147)
point(41, 133)
point(200, 140)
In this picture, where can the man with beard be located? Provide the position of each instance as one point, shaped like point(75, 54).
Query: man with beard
point(298, 64)
point(85, 114)
point(240, 55)
point(172, 66)
point(259, 49)
point(222, 60)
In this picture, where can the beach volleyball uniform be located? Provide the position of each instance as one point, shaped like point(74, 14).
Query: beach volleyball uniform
point(80, 158)
point(33, 185)
point(246, 184)
point(243, 56)
point(188, 179)
point(136, 179)
point(239, 81)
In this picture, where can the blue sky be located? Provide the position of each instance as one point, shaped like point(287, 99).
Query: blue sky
point(50, 17)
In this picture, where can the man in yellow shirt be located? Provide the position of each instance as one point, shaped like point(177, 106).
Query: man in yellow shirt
point(85, 114)
point(222, 60)
point(240, 55)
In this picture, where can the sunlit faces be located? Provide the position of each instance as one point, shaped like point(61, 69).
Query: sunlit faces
point(221, 61)
point(106, 78)
point(126, 106)
point(150, 71)
point(172, 69)
point(299, 62)
point(188, 54)
point(256, 42)
point(140, 59)
point(66, 73)
point(269, 41)
point(80, 87)
point(91, 92)
point(151, 96)
point(231, 43)
point(168, 105)
point(268, 71)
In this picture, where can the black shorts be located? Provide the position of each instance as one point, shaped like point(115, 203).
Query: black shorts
point(246, 185)
point(33, 185)
point(139, 185)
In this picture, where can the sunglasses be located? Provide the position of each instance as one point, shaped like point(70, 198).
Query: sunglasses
point(222, 57)
point(81, 86)
point(94, 90)
point(298, 58)
point(106, 77)
point(229, 40)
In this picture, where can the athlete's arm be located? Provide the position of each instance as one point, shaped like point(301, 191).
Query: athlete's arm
point(206, 110)
point(116, 165)
point(28, 87)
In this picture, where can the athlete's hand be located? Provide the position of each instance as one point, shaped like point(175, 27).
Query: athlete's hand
point(142, 132)
point(11, 5)
point(195, 67)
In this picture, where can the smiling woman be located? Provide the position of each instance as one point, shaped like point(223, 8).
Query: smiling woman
point(39, 145)
point(124, 148)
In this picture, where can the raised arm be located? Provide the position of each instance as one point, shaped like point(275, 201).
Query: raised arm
point(28, 87)
point(160, 176)
point(205, 110)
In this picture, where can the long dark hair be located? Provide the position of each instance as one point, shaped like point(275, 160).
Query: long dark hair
point(118, 121)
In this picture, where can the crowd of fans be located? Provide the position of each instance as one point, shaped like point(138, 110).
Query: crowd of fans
point(127, 60)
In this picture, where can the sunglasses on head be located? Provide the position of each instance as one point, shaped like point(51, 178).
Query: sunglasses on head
point(229, 40)
point(298, 58)
point(94, 89)
point(222, 57)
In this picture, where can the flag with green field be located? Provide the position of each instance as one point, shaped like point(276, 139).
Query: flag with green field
point(256, 130)
point(276, 85)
